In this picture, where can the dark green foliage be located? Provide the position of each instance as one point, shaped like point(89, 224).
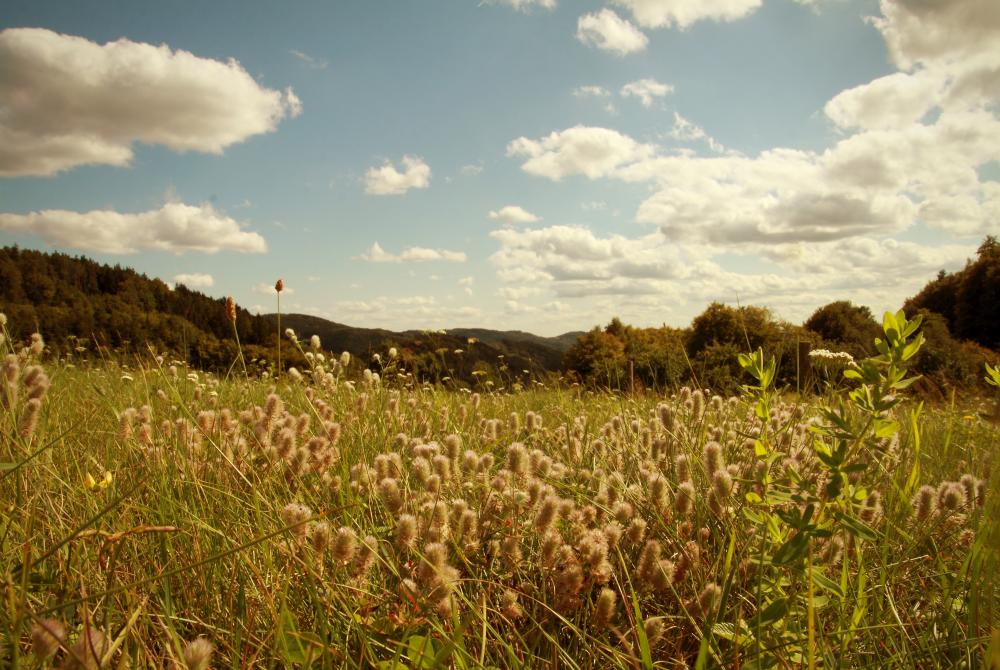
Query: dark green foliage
point(969, 300)
point(624, 357)
point(74, 301)
point(849, 327)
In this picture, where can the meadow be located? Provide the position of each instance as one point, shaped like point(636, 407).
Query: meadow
point(157, 516)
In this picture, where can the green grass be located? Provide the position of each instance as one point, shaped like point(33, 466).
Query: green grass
point(190, 536)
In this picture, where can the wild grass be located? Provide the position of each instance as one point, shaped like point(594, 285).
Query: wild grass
point(156, 516)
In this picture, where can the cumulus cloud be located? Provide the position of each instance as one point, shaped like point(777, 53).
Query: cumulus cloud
point(376, 254)
point(609, 32)
point(590, 151)
point(876, 182)
point(195, 280)
point(68, 101)
point(683, 13)
point(917, 31)
point(387, 180)
point(646, 90)
point(575, 254)
point(591, 91)
point(175, 227)
point(513, 214)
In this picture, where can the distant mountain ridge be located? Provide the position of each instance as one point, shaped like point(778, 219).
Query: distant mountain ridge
point(76, 301)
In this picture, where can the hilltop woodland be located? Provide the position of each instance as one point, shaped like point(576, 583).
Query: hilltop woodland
point(83, 306)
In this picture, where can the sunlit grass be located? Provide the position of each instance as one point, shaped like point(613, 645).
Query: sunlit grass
point(151, 511)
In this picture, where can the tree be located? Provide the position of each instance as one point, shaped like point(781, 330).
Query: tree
point(848, 325)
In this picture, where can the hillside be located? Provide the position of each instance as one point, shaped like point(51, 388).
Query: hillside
point(76, 302)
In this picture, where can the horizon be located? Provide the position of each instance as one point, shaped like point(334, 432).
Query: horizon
point(523, 165)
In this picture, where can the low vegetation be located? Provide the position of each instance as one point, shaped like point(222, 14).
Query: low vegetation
point(159, 516)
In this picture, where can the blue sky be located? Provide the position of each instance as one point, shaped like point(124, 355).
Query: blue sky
point(534, 164)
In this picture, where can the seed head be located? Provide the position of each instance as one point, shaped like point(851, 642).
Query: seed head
point(406, 531)
point(279, 286)
point(295, 514)
point(344, 545)
point(684, 499)
point(604, 610)
point(713, 457)
point(198, 654)
point(230, 312)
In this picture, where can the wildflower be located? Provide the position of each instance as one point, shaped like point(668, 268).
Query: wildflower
point(279, 286)
point(406, 530)
point(604, 610)
point(713, 457)
point(344, 545)
point(295, 514)
point(345, 359)
point(654, 630)
point(320, 536)
point(510, 607)
point(314, 343)
point(198, 654)
point(684, 499)
point(230, 310)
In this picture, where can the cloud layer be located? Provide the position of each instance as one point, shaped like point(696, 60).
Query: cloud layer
point(175, 227)
point(68, 101)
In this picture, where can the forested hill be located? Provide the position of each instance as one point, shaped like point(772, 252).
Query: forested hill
point(77, 302)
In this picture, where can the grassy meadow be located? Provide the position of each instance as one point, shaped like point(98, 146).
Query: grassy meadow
point(156, 516)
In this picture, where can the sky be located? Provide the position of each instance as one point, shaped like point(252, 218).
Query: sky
point(541, 165)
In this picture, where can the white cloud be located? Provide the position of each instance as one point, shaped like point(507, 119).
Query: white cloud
point(376, 254)
point(195, 280)
point(917, 31)
point(646, 90)
point(264, 288)
point(471, 170)
point(175, 227)
point(610, 32)
point(513, 214)
point(876, 182)
point(590, 151)
point(574, 254)
point(683, 13)
point(310, 61)
point(387, 180)
point(68, 101)
point(524, 5)
point(591, 91)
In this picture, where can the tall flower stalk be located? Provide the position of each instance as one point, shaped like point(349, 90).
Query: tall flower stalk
point(279, 286)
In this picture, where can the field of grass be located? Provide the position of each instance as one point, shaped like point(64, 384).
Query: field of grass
point(154, 516)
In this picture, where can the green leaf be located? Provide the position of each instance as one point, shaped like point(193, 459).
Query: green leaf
point(792, 550)
point(420, 651)
point(826, 583)
point(856, 528)
point(775, 611)
point(290, 645)
point(890, 326)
